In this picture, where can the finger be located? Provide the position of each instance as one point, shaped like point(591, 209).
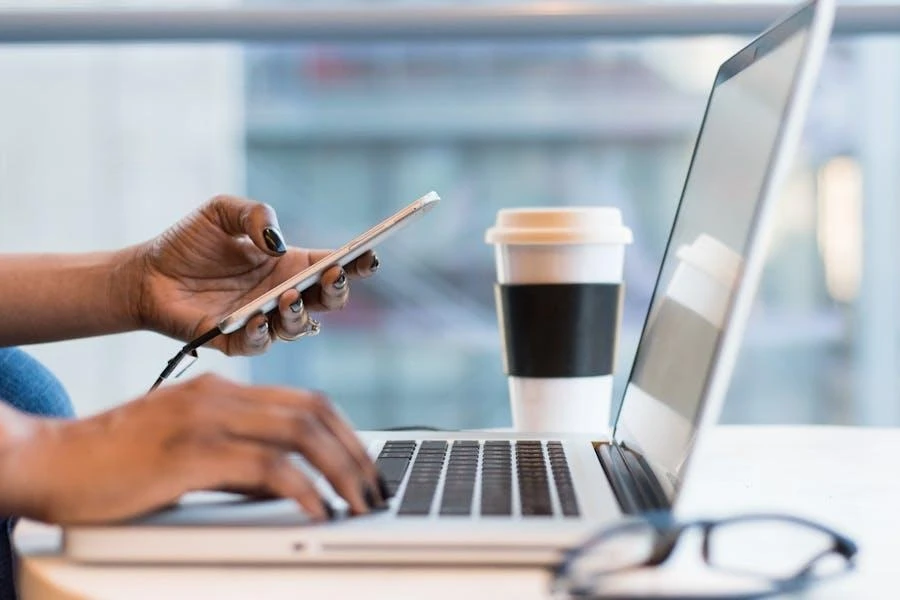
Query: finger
point(332, 292)
point(239, 216)
point(253, 493)
point(268, 471)
point(290, 420)
point(364, 266)
point(292, 316)
point(348, 438)
point(331, 458)
point(344, 434)
point(252, 339)
point(360, 267)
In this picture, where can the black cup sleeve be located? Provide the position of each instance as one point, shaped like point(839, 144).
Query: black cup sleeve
point(559, 330)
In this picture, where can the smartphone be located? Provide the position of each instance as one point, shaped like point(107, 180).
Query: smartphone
point(342, 256)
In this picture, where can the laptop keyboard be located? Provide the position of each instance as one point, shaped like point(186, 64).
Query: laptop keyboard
point(468, 477)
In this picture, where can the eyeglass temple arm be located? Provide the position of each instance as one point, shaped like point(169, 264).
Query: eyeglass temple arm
point(189, 349)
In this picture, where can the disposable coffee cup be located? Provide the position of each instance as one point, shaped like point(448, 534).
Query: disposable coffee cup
point(559, 298)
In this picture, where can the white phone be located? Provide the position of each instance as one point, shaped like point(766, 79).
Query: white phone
point(342, 256)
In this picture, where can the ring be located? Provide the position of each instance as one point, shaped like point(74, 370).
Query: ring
point(312, 328)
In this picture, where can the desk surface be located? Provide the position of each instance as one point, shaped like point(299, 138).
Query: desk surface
point(844, 477)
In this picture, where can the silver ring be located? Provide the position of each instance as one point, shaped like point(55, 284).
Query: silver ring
point(312, 328)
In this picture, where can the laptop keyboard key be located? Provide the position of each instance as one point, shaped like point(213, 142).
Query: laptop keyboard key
point(459, 482)
point(534, 491)
point(393, 461)
point(564, 487)
point(537, 469)
point(496, 479)
point(423, 479)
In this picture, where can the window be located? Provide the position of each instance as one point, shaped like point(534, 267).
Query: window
point(102, 146)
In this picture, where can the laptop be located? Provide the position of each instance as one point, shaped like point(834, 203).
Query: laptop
point(481, 497)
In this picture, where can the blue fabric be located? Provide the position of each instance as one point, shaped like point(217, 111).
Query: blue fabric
point(29, 386)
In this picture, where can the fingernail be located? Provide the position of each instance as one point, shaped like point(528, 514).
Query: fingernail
point(329, 511)
point(263, 328)
point(297, 306)
point(341, 282)
point(369, 497)
point(375, 264)
point(383, 487)
point(371, 501)
point(274, 240)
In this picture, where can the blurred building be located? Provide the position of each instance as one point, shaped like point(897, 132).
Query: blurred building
point(102, 146)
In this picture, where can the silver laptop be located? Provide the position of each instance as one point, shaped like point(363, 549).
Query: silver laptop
point(476, 497)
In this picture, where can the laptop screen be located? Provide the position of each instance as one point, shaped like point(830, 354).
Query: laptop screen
point(665, 393)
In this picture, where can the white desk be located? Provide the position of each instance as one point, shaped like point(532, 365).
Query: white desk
point(841, 476)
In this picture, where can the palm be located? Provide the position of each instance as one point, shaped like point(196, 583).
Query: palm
point(196, 273)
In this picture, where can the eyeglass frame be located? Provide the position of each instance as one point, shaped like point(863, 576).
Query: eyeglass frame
point(668, 533)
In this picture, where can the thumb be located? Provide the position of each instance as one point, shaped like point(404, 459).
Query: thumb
point(239, 216)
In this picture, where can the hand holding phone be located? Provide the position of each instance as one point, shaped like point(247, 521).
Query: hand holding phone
point(342, 256)
point(267, 302)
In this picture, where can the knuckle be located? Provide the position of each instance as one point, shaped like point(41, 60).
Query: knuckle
point(319, 403)
point(218, 203)
point(269, 466)
point(199, 395)
point(303, 424)
point(208, 380)
point(189, 408)
point(219, 199)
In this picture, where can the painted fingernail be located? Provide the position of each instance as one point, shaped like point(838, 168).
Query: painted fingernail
point(369, 497)
point(384, 488)
point(341, 282)
point(263, 328)
point(372, 501)
point(274, 240)
point(375, 264)
point(297, 306)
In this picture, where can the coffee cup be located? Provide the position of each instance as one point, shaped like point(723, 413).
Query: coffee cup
point(559, 295)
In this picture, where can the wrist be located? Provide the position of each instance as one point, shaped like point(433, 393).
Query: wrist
point(125, 286)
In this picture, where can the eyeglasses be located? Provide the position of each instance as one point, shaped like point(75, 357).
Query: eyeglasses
point(760, 555)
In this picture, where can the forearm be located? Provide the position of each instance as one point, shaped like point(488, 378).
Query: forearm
point(49, 297)
point(19, 483)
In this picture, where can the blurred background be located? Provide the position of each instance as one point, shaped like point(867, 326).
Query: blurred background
point(104, 145)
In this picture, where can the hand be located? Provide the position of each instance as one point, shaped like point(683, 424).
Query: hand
point(203, 434)
point(220, 257)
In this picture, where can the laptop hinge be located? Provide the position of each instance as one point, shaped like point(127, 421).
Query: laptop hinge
point(632, 480)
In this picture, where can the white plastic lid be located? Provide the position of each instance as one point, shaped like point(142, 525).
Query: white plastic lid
point(712, 257)
point(559, 225)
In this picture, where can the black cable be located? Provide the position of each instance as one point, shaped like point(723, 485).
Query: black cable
point(189, 349)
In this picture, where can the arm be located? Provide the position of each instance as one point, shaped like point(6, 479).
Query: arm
point(203, 434)
point(49, 297)
point(219, 257)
